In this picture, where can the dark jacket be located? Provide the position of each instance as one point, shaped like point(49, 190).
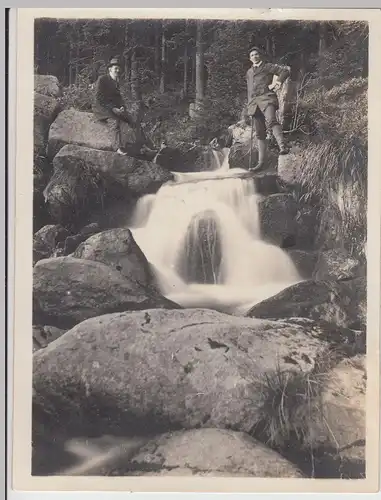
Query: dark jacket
point(258, 80)
point(106, 96)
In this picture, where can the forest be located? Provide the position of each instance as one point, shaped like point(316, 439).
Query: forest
point(170, 66)
point(196, 60)
point(176, 272)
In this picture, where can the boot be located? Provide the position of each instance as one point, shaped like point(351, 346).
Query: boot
point(262, 149)
point(279, 137)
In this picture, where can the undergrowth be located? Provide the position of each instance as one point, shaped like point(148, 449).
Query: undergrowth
point(291, 404)
point(334, 172)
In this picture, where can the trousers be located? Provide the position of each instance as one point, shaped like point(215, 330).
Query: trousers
point(263, 119)
point(121, 126)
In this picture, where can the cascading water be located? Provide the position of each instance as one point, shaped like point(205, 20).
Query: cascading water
point(202, 235)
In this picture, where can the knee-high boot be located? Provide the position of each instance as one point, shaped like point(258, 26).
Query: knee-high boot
point(279, 137)
point(262, 150)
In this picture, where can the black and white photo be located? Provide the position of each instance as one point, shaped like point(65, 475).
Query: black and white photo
point(200, 248)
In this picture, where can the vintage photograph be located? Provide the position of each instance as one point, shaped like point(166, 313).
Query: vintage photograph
point(200, 248)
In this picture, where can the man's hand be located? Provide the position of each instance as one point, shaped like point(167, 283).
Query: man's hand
point(118, 111)
point(275, 86)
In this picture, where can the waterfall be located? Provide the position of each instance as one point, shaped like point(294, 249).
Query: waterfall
point(201, 233)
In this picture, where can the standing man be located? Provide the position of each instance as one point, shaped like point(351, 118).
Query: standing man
point(108, 104)
point(262, 102)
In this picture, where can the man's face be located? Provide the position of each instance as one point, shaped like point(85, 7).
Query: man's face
point(114, 72)
point(255, 57)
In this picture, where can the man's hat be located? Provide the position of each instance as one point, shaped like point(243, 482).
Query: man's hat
point(259, 50)
point(113, 62)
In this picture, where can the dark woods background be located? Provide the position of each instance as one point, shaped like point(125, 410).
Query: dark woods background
point(171, 65)
point(195, 60)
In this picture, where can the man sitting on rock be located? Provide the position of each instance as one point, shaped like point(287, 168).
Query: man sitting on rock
point(109, 106)
point(263, 102)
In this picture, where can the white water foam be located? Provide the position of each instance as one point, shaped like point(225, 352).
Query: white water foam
point(202, 235)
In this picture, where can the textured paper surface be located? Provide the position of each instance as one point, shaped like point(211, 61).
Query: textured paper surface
point(22, 338)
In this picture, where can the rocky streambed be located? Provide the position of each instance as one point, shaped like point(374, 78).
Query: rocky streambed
point(129, 382)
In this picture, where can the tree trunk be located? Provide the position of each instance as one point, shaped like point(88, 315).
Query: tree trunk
point(70, 69)
point(157, 51)
point(323, 37)
point(163, 62)
point(126, 57)
point(273, 46)
point(268, 44)
point(199, 64)
point(194, 71)
point(135, 94)
point(185, 85)
point(76, 64)
point(137, 103)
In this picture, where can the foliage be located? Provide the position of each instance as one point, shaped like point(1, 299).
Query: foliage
point(335, 172)
point(327, 113)
point(291, 404)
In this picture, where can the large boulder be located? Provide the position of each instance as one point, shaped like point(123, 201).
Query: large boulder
point(157, 370)
point(339, 303)
point(337, 264)
point(277, 214)
point(210, 452)
point(44, 335)
point(338, 421)
point(199, 452)
point(72, 242)
point(41, 175)
point(289, 167)
point(138, 176)
point(45, 241)
point(47, 85)
point(307, 225)
point(83, 129)
point(68, 290)
point(84, 178)
point(188, 157)
point(266, 183)
point(46, 109)
point(118, 249)
point(304, 261)
point(239, 154)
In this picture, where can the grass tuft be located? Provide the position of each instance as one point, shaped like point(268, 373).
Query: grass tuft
point(291, 405)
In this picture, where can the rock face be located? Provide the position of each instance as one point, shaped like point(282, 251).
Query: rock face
point(43, 335)
point(337, 264)
point(159, 370)
point(83, 178)
point(266, 183)
point(277, 214)
point(80, 128)
point(68, 290)
point(46, 239)
point(206, 452)
point(239, 155)
point(183, 157)
point(46, 109)
point(289, 167)
point(181, 453)
point(339, 303)
point(343, 428)
point(138, 176)
point(307, 226)
point(304, 261)
point(118, 249)
point(47, 85)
